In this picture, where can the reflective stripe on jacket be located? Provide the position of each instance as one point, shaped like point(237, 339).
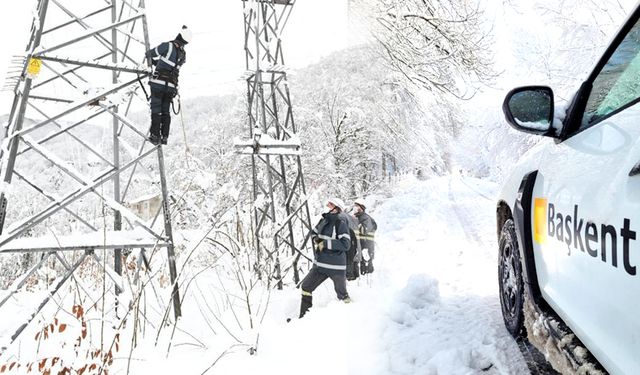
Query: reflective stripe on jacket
point(370, 236)
point(334, 233)
point(366, 230)
point(167, 58)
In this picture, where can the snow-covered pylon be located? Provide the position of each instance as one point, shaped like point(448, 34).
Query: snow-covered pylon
point(73, 162)
point(281, 214)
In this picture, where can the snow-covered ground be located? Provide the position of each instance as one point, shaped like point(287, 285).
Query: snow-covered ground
point(430, 307)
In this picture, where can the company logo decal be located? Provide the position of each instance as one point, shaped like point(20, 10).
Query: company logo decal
point(540, 220)
point(607, 242)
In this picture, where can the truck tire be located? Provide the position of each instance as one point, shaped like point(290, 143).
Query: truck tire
point(510, 280)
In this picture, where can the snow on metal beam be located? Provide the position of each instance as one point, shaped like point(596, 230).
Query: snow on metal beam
point(89, 64)
point(263, 144)
point(109, 240)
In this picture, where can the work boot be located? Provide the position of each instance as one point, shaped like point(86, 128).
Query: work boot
point(305, 305)
point(154, 139)
point(166, 125)
point(156, 125)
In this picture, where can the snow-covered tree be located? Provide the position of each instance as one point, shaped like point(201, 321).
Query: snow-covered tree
point(360, 124)
point(438, 45)
point(542, 42)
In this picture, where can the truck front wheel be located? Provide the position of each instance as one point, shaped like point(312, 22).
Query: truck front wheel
point(511, 281)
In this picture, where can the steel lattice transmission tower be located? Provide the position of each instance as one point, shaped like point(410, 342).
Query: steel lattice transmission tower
point(75, 157)
point(281, 217)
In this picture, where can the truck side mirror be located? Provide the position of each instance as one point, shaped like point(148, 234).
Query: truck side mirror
point(530, 109)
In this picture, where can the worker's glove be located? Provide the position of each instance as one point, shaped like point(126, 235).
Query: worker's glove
point(318, 244)
point(143, 67)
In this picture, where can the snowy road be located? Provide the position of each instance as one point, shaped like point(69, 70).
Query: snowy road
point(431, 307)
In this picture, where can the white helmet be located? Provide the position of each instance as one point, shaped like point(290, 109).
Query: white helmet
point(336, 202)
point(185, 34)
point(360, 202)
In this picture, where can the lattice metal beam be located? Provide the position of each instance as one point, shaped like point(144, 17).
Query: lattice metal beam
point(84, 72)
point(278, 181)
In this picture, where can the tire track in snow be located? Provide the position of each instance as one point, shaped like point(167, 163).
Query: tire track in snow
point(476, 191)
point(535, 360)
point(461, 330)
point(469, 232)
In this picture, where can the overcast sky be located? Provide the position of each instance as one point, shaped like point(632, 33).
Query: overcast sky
point(215, 58)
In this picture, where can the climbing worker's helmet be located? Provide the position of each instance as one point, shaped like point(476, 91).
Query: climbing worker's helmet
point(185, 35)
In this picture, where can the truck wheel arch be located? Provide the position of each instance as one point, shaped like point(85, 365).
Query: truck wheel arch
point(521, 215)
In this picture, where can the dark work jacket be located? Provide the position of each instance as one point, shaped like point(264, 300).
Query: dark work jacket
point(334, 233)
point(366, 230)
point(168, 57)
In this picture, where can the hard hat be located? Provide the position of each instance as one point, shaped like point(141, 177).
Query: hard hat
point(360, 202)
point(185, 34)
point(336, 202)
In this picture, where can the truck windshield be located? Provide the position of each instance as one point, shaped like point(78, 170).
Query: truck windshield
point(618, 84)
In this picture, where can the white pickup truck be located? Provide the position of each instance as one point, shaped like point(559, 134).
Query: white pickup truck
point(568, 218)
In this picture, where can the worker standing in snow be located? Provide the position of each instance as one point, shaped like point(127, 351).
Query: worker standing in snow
point(331, 241)
point(167, 58)
point(366, 235)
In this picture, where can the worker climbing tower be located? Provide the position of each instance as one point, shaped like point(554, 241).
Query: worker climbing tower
point(281, 219)
point(75, 162)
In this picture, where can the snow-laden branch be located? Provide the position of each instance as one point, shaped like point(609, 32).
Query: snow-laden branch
point(440, 46)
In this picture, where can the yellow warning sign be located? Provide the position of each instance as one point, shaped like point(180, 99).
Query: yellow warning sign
point(34, 67)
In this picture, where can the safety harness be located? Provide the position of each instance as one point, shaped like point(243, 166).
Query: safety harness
point(169, 78)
